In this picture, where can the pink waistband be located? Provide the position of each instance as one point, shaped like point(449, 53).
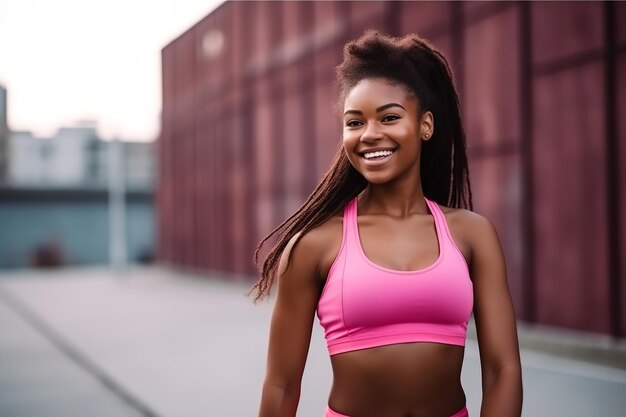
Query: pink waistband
point(332, 413)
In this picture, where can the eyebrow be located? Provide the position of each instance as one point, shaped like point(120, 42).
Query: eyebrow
point(381, 108)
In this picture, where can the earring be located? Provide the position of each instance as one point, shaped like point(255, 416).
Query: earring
point(426, 135)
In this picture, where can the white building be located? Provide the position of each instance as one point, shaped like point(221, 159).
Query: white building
point(140, 164)
point(71, 160)
point(4, 134)
point(75, 157)
point(27, 159)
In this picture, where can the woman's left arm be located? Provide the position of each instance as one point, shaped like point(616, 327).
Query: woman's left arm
point(495, 324)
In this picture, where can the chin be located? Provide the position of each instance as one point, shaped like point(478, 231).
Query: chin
point(377, 178)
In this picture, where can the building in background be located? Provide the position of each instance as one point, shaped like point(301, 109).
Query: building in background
point(54, 203)
point(75, 157)
point(140, 165)
point(4, 134)
point(248, 128)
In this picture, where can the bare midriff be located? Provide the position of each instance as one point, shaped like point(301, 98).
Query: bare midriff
point(421, 379)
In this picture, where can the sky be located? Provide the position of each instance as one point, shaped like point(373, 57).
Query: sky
point(65, 61)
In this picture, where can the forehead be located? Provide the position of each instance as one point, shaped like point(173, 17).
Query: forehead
point(376, 91)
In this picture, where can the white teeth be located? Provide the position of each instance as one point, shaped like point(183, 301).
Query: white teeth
point(369, 155)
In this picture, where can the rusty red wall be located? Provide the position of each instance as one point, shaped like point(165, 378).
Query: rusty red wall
point(619, 136)
point(247, 133)
point(569, 131)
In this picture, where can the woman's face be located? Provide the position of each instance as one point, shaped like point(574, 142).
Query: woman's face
point(382, 132)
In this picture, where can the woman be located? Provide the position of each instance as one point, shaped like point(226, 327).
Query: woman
point(392, 272)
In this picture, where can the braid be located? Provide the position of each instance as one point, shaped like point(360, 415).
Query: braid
point(340, 184)
point(437, 171)
point(415, 65)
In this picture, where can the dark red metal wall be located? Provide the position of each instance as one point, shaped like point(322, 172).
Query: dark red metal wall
point(247, 133)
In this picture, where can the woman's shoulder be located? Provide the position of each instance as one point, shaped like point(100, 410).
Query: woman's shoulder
point(469, 229)
point(323, 235)
point(466, 220)
point(320, 244)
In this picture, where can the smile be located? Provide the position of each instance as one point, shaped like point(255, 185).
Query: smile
point(377, 155)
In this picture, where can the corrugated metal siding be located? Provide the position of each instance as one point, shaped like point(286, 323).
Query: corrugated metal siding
point(493, 127)
point(570, 209)
point(570, 204)
point(246, 135)
point(620, 18)
point(620, 109)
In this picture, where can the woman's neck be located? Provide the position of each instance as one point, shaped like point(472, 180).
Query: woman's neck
point(393, 200)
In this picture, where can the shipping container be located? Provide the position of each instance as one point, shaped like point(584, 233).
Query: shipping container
point(249, 126)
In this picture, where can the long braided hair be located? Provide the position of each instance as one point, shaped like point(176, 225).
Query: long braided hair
point(413, 63)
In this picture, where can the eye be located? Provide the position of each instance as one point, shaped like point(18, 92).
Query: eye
point(390, 117)
point(353, 123)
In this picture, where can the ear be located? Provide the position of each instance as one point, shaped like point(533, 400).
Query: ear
point(427, 126)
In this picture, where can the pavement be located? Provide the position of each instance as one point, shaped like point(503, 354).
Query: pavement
point(90, 342)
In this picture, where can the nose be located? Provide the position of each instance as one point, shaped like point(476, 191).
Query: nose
point(371, 134)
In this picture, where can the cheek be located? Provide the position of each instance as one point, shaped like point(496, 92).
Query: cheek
point(349, 144)
point(349, 141)
point(404, 131)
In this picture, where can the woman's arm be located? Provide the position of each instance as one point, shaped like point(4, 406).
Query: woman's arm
point(290, 328)
point(495, 324)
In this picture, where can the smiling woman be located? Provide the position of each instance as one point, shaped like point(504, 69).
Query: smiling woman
point(389, 254)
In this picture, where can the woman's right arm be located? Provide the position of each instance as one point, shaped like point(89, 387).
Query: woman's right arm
point(290, 328)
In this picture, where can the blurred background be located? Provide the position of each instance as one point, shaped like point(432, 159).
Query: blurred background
point(142, 161)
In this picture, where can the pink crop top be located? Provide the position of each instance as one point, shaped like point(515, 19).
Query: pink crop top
point(365, 305)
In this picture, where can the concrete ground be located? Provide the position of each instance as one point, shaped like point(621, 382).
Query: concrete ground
point(153, 342)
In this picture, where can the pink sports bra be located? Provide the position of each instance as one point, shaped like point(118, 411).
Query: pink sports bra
point(365, 305)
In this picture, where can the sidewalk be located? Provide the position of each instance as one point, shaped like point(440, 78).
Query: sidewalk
point(37, 378)
point(153, 342)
